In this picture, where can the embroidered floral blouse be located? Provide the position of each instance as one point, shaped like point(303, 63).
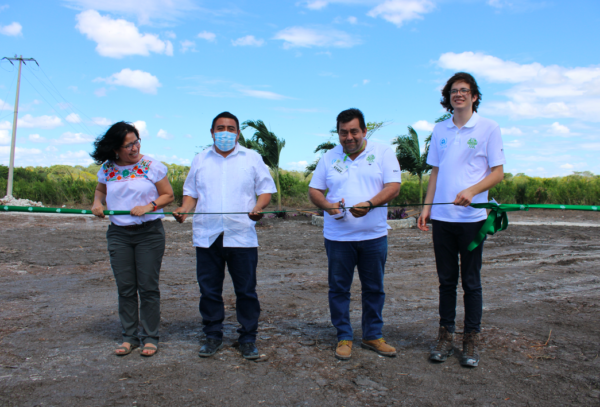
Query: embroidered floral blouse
point(131, 185)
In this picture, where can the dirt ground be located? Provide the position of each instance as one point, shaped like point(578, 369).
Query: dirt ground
point(59, 324)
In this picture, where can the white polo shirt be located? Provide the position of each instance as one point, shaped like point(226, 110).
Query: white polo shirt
point(227, 184)
point(359, 181)
point(465, 157)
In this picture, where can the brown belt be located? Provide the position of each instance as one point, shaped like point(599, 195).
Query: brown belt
point(138, 227)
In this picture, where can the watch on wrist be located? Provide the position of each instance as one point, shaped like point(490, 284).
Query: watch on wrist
point(154, 205)
point(370, 206)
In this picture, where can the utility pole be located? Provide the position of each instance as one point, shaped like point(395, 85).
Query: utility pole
point(9, 187)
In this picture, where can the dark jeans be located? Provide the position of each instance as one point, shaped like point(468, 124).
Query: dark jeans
point(210, 270)
point(135, 258)
point(369, 257)
point(449, 240)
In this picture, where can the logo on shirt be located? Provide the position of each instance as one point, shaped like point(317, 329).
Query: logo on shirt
point(443, 143)
point(370, 159)
point(472, 143)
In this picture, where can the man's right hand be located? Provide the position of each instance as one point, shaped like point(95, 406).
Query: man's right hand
point(176, 214)
point(98, 209)
point(335, 209)
point(423, 218)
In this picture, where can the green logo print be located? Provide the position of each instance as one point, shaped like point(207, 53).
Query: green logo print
point(472, 143)
point(370, 159)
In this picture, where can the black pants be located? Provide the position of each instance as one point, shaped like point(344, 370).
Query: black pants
point(210, 270)
point(449, 241)
point(135, 258)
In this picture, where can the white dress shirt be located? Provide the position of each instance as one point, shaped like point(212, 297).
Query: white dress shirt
point(465, 157)
point(227, 184)
point(356, 181)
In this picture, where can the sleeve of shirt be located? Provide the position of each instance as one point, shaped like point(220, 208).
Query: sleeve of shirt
point(157, 171)
point(391, 167)
point(319, 178)
point(263, 182)
point(433, 157)
point(101, 176)
point(495, 149)
point(189, 187)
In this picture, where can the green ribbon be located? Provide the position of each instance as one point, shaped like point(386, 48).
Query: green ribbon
point(497, 220)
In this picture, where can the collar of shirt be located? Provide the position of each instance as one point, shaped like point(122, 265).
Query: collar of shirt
point(363, 153)
point(471, 123)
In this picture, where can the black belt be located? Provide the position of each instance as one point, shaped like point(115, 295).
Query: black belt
point(138, 227)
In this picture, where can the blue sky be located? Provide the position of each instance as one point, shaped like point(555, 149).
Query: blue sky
point(171, 65)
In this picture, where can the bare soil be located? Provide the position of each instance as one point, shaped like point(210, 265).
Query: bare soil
point(59, 323)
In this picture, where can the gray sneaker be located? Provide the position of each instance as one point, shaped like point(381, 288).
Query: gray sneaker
point(470, 357)
point(444, 347)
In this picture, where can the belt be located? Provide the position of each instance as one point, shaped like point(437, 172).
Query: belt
point(138, 227)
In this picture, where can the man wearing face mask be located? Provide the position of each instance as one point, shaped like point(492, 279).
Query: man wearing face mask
point(227, 178)
point(364, 175)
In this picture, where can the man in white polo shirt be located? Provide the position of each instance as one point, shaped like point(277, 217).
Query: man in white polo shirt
point(227, 178)
point(364, 175)
point(467, 157)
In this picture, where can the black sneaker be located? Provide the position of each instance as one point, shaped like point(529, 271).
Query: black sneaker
point(249, 350)
point(444, 347)
point(210, 347)
point(470, 357)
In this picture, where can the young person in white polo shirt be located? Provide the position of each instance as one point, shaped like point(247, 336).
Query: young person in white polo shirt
point(227, 178)
point(467, 157)
point(364, 174)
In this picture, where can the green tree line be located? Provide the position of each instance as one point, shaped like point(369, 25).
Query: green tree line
point(66, 185)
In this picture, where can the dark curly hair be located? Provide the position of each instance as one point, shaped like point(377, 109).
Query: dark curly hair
point(106, 144)
point(460, 77)
point(349, 115)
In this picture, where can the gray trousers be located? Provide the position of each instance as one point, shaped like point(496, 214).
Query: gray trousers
point(135, 258)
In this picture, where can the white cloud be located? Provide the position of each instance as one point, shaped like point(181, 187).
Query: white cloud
point(423, 125)
point(539, 91)
point(5, 106)
point(297, 166)
point(119, 38)
point(51, 149)
point(73, 118)
point(513, 131)
point(140, 125)
point(36, 138)
point(514, 144)
point(73, 138)
point(140, 80)
point(4, 138)
point(75, 158)
point(365, 81)
point(315, 37)
point(248, 41)
point(170, 34)
point(187, 45)
point(558, 128)
point(567, 166)
point(144, 10)
point(44, 122)
point(101, 121)
point(13, 29)
point(352, 20)
point(5, 125)
point(208, 36)
point(400, 11)
point(172, 159)
point(164, 135)
point(100, 92)
point(261, 94)
point(316, 4)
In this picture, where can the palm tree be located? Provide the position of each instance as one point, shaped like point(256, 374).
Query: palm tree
point(372, 127)
point(409, 154)
point(265, 143)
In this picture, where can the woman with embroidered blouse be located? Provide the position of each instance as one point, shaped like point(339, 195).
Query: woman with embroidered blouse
point(133, 182)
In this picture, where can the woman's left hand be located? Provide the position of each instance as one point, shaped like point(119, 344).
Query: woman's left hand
point(141, 210)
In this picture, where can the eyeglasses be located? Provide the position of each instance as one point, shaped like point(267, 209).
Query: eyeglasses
point(130, 145)
point(463, 91)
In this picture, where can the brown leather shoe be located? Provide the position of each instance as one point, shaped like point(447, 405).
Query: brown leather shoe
point(343, 350)
point(379, 346)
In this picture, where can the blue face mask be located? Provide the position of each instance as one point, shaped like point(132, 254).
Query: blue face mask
point(225, 140)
